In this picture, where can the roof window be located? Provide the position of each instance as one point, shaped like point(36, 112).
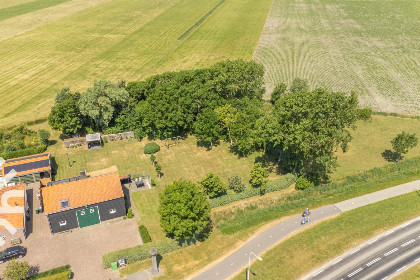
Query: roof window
point(65, 203)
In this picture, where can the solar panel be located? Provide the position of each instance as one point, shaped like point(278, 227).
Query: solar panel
point(28, 157)
point(27, 166)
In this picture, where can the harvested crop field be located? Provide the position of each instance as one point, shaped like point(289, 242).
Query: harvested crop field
point(117, 40)
point(371, 47)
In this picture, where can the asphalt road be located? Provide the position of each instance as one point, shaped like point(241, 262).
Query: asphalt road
point(382, 257)
point(237, 260)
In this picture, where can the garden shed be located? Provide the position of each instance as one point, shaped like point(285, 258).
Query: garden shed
point(94, 140)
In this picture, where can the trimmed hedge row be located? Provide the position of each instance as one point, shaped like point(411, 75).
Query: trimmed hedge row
point(24, 152)
point(54, 271)
point(59, 276)
point(141, 252)
point(144, 233)
point(272, 186)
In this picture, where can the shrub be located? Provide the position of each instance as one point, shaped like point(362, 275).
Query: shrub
point(235, 184)
point(54, 271)
point(364, 114)
point(105, 140)
point(16, 270)
point(144, 233)
point(60, 276)
point(273, 185)
point(141, 252)
point(212, 185)
point(151, 148)
point(43, 135)
point(258, 174)
point(153, 182)
point(303, 183)
point(24, 152)
point(130, 213)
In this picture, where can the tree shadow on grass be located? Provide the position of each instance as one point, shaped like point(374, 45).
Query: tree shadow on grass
point(205, 144)
point(268, 160)
point(391, 156)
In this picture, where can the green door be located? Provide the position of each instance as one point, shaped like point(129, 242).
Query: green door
point(88, 217)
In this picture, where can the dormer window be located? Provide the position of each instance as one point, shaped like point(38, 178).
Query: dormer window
point(65, 203)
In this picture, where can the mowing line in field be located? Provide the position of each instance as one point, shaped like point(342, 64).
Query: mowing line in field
point(186, 33)
point(25, 8)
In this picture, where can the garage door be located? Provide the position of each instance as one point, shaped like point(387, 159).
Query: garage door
point(88, 216)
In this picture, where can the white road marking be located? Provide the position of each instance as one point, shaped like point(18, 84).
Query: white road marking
point(388, 233)
point(372, 262)
point(318, 273)
point(406, 224)
point(401, 268)
point(390, 252)
point(374, 240)
point(416, 260)
point(408, 242)
point(354, 251)
point(384, 278)
point(355, 272)
point(336, 262)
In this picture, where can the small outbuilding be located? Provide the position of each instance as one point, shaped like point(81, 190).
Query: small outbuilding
point(83, 201)
point(94, 140)
point(30, 169)
point(13, 212)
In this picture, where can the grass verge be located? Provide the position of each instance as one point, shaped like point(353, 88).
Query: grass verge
point(413, 273)
point(307, 250)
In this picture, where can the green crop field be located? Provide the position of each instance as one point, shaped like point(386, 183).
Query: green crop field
point(371, 47)
point(75, 44)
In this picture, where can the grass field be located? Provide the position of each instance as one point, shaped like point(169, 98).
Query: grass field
point(412, 273)
point(367, 46)
point(308, 250)
point(116, 39)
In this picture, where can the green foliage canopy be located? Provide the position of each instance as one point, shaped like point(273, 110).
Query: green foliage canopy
point(212, 185)
point(16, 270)
point(403, 142)
point(258, 174)
point(184, 210)
point(235, 183)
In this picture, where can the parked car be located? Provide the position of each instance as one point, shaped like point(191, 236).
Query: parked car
point(12, 253)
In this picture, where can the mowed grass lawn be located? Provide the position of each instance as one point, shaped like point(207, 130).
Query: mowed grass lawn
point(310, 249)
point(370, 47)
point(118, 40)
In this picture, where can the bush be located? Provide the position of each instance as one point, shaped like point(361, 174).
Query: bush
point(16, 270)
point(59, 276)
point(151, 148)
point(364, 114)
point(24, 152)
point(54, 271)
point(235, 184)
point(105, 140)
point(130, 213)
point(303, 183)
point(273, 185)
point(43, 135)
point(153, 182)
point(141, 252)
point(144, 233)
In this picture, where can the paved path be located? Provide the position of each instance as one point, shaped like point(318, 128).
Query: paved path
point(264, 241)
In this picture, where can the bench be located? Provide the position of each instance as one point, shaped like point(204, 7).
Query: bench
point(15, 241)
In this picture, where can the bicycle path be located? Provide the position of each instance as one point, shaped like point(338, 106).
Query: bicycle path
point(237, 260)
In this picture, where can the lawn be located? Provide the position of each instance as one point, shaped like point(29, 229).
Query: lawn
point(116, 39)
point(308, 250)
point(412, 273)
point(370, 47)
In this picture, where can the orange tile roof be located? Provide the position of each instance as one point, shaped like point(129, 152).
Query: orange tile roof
point(82, 192)
point(24, 160)
point(17, 220)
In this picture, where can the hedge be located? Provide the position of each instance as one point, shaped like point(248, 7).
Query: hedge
point(24, 152)
point(54, 271)
point(59, 276)
point(272, 186)
point(151, 148)
point(141, 252)
point(144, 233)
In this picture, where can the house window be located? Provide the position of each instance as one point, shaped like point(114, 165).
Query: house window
point(65, 203)
point(82, 213)
point(112, 211)
point(63, 223)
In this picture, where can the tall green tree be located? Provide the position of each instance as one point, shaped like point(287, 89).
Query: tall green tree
point(299, 84)
point(184, 210)
point(313, 125)
point(278, 91)
point(66, 117)
point(212, 185)
point(207, 127)
point(258, 175)
point(102, 102)
point(16, 270)
point(403, 142)
point(227, 116)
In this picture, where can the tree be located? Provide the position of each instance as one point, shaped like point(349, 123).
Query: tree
point(63, 95)
point(278, 91)
point(43, 136)
point(235, 183)
point(16, 270)
point(66, 117)
point(299, 85)
point(212, 185)
point(101, 102)
point(158, 169)
point(227, 116)
point(267, 130)
point(258, 174)
point(184, 210)
point(207, 128)
point(403, 142)
point(312, 126)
